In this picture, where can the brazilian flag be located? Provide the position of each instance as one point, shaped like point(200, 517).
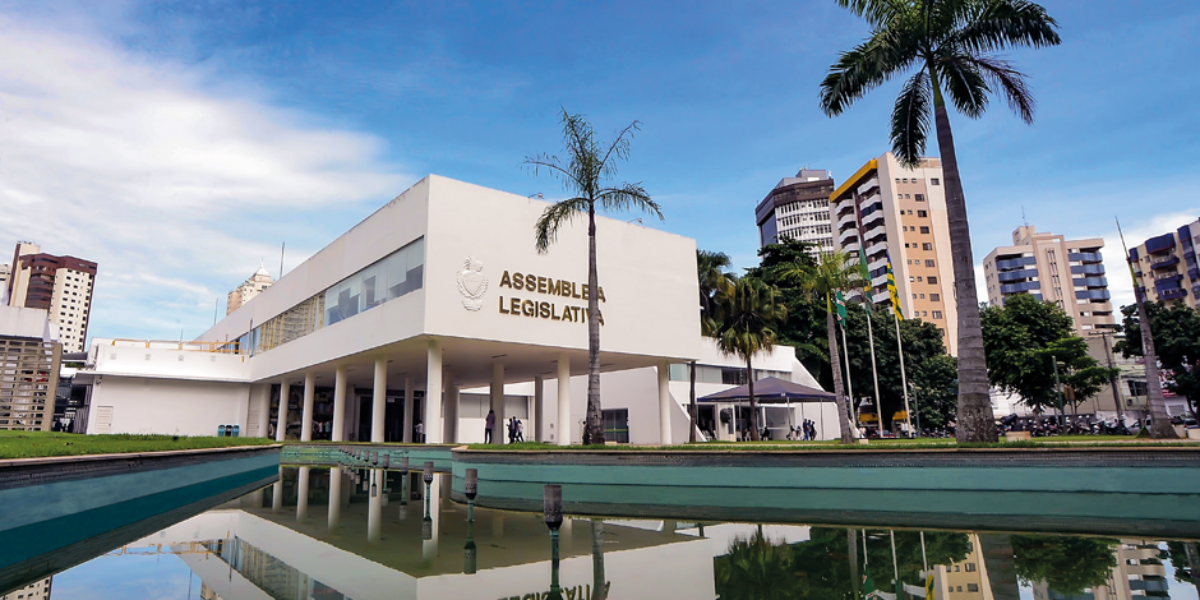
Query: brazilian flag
point(839, 302)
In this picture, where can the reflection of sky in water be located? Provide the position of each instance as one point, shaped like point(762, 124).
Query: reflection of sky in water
point(129, 577)
point(1179, 591)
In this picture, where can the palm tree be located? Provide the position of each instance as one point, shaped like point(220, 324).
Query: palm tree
point(836, 271)
point(950, 43)
point(584, 172)
point(713, 277)
point(745, 319)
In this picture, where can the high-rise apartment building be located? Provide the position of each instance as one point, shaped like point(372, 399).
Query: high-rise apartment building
point(29, 364)
point(38, 590)
point(798, 208)
point(61, 285)
point(886, 210)
point(1069, 273)
point(1166, 266)
point(252, 287)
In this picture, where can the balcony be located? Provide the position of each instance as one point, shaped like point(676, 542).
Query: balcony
point(1085, 257)
point(1017, 288)
point(1088, 270)
point(878, 232)
point(1010, 276)
point(1164, 263)
point(1092, 295)
point(881, 297)
point(852, 247)
point(843, 205)
point(847, 235)
point(871, 219)
point(878, 264)
point(878, 249)
point(879, 280)
point(1172, 294)
point(846, 220)
point(1092, 281)
point(1015, 263)
point(866, 187)
point(1194, 273)
point(1161, 243)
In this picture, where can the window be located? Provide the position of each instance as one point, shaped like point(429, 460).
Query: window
point(909, 260)
point(935, 297)
point(897, 180)
point(616, 424)
point(924, 313)
point(905, 180)
point(924, 230)
point(934, 181)
point(929, 263)
point(914, 296)
point(921, 197)
point(971, 587)
point(921, 213)
point(922, 296)
point(908, 196)
point(918, 278)
point(937, 314)
point(926, 245)
point(912, 279)
point(933, 280)
point(969, 567)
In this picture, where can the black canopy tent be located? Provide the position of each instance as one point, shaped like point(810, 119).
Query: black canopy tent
point(772, 390)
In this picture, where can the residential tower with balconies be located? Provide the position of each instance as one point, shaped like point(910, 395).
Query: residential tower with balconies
point(1165, 266)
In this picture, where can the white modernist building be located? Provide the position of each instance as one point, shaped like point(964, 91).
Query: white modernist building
point(421, 318)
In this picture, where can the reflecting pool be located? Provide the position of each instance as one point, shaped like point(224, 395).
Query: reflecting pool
point(385, 535)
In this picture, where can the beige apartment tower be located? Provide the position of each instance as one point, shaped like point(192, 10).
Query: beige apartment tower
point(1069, 273)
point(60, 285)
point(1166, 267)
point(252, 287)
point(885, 210)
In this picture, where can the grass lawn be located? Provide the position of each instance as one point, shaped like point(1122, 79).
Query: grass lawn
point(38, 444)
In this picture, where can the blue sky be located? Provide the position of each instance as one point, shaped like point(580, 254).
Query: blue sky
point(178, 143)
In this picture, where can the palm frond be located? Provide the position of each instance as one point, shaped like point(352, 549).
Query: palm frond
point(865, 68)
point(619, 148)
point(994, 25)
point(1002, 77)
point(553, 218)
point(964, 85)
point(553, 165)
point(876, 12)
point(910, 119)
point(629, 195)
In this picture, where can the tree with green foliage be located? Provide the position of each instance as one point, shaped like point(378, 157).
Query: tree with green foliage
point(584, 172)
point(925, 359)
point(951, 44)
point(756, 569)
point(747, 315)
point(834, 272)
point(1067, 564)
point(713, 276)
point(804, 328)
point(1177, 342)
point(1024, 338)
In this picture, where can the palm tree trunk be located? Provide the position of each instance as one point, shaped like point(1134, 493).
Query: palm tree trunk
point(753, 403)
point(593, 431)
point(1156, 406)
point(976, 423)
point(692, 403)
point(835, 362)
point(599, 587)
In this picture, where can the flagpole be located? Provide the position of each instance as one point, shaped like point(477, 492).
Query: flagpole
point(874, 369)
point(904, 379)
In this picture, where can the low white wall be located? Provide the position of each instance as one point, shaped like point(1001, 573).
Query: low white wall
point(177, 407)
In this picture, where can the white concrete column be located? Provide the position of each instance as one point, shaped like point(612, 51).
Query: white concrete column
point(281, 419)
point(335, 498)
point(408, 409)
point(500, 432)
point(306, 419)
point(339, 404)
point(302, 495)
point(429, 548)
point(450, 435)
point(664, 403)
point(564, 400)
point(379, 400)
point(539, 410)
point(433, 394)
point(375, 506)
point(277, 493)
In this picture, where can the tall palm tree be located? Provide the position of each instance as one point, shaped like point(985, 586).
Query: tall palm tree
point(746, 316)
point(713, 277)
point(585, 172)
point(836, 271)
point(950, 43)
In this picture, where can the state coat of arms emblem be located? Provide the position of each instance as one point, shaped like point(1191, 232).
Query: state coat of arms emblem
point(472, 283)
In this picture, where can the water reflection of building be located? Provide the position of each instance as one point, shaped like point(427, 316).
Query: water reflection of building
point(1139, 573)
point(963, 580)
point(38, 590)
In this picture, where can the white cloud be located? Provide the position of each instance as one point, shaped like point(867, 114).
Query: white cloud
point(176, 186)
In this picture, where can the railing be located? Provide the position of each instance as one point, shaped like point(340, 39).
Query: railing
point(1008, 276)
point(1089, 270)
point(1015, 263)
point(1016, 288)
point(1085, 257)
point(864, 188)
point(1092, 295)
point(1092, 281)
point(212, 347)
point(1163, 263)
point(1172, 293)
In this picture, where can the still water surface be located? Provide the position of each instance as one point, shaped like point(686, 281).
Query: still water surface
point(410, 541)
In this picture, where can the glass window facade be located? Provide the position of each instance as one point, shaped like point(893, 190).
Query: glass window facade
point(395, 275)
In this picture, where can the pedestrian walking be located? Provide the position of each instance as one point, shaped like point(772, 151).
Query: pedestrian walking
point(520, 431)
point(489, 425)
point(420, 429)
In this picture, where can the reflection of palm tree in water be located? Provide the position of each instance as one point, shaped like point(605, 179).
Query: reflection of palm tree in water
point(756, 569)
point(599, 589)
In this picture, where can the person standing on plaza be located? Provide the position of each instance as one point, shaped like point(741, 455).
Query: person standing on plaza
point(489, 426)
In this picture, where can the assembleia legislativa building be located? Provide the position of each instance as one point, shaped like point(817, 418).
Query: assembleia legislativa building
point(423, 317)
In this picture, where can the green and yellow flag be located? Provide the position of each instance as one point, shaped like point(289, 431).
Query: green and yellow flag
point(891, 286)
point(866, 275)
point(839, 301)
